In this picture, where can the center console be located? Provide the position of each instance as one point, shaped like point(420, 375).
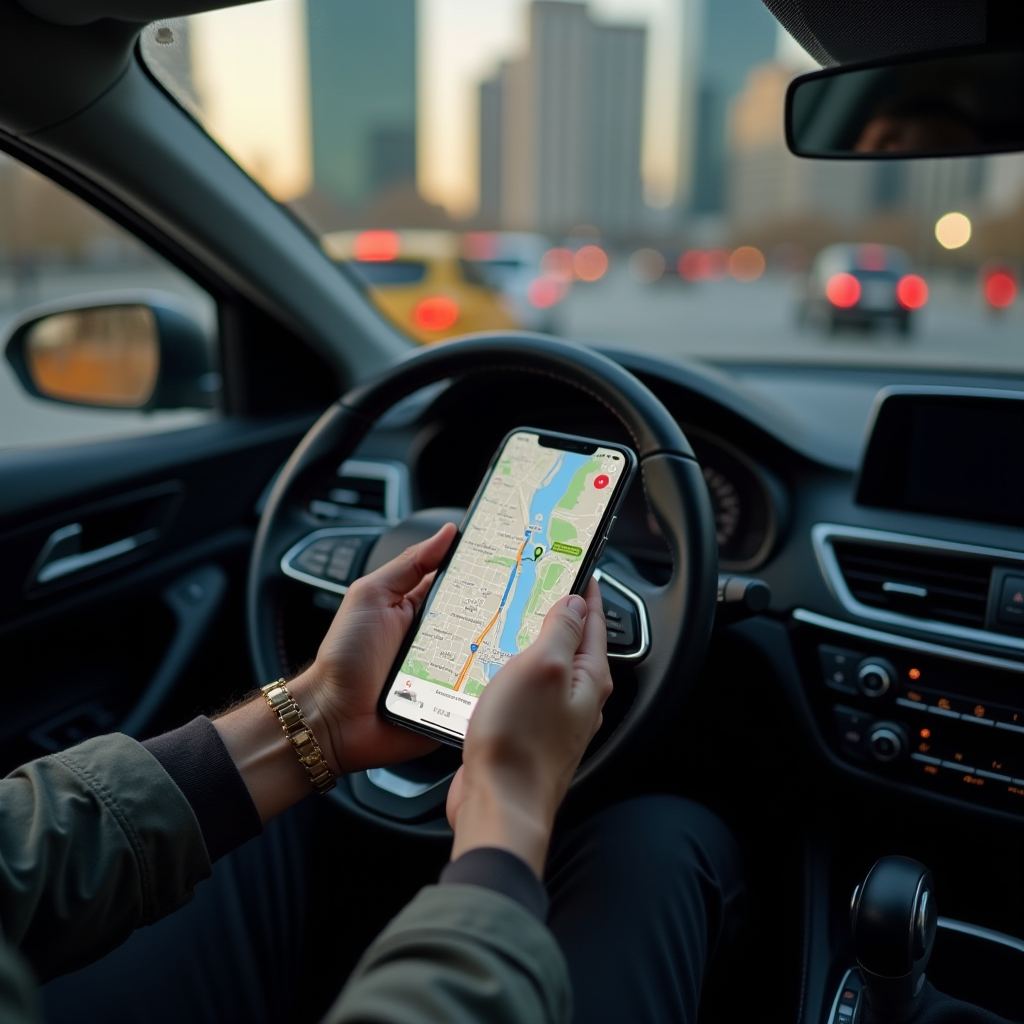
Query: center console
point(947, 720)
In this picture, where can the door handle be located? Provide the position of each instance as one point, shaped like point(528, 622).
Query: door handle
point(61, 555)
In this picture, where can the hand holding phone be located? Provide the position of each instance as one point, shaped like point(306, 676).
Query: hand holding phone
point(529, 731)
point(532, 536)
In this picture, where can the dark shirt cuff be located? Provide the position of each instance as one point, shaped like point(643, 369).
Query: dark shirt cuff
point(196, 759)
point(500, 871)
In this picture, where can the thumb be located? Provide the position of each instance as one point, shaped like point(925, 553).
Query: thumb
point(405, 572)
point(562, 631)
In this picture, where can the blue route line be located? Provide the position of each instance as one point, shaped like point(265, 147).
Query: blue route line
point(512, 578)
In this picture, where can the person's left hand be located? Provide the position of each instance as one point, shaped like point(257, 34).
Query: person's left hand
point(345, 681)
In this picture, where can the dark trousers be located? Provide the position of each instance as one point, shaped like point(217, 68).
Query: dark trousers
point(641, 895)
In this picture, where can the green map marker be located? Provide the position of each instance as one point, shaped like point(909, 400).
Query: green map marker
point(537, 552)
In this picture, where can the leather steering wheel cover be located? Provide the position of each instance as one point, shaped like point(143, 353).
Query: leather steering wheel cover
point(681, 611)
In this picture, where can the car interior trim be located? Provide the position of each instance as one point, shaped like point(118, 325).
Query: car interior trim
point(810, 618)
point(1001, 938)
point(602, 576)
point(398, 785)
point(822, 536)
point(396, 483)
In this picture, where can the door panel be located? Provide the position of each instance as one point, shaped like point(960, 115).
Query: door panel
point(148, 637)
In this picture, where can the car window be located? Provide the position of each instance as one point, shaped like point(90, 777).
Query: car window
point(380, 274)
point(614, 170)
point(56, 249)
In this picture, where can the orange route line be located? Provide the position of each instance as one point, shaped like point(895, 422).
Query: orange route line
point(487, 628)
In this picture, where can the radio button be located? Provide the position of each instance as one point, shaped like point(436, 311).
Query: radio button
point(977, 720)
point(915, 704)
point(838, 667)
point(1011, 602)
point(852, 726)
point(874, 677)
point(886, 741)
point(1010, 727)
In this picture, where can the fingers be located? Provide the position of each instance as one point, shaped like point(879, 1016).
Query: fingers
point(406, 572)
point(562, 631)
point(595, 637)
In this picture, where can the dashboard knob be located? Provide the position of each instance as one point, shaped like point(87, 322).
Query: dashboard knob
point(886, 741)
point(874, 677)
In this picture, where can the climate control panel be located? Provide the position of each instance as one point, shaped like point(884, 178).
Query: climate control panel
point(949, 722)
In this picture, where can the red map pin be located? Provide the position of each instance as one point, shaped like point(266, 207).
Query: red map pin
point(601, 482)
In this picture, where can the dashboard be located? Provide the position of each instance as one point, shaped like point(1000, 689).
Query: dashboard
point(887, 627)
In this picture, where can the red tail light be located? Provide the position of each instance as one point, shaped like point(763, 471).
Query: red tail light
point(912, 291)
point(376, 246)
point(1000, 289)
point(436, 313)
point(843, 290)
point(545, 293)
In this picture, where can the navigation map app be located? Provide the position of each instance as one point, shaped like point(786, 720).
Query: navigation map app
point(539, 513)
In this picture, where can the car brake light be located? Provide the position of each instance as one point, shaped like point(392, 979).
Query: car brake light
point(1000, 289)
point(376, 246)
point(912, 291)
point(435, 313)
point(843, 290)
point(590, 263)
point(545, 293)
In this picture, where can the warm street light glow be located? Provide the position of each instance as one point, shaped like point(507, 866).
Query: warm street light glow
point(953, 230)
point(746, 263)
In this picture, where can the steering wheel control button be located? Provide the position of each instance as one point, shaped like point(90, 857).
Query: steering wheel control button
point(315, 558)
point(874, 677)
point(852, 727)
point(343, 558)
point(620, 620)
point(886, 741)
point(838, 666)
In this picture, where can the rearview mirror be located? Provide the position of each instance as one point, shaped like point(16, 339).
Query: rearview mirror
point(114, 355)
point(955, 104)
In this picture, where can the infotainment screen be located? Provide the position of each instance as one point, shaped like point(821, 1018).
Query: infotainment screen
point(947, 454)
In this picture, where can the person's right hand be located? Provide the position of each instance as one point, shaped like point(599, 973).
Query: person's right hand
point(528, 733)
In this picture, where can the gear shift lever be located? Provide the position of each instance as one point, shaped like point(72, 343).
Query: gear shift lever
point(893, 917)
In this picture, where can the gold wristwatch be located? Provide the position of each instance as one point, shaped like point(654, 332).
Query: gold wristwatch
point(297, 729)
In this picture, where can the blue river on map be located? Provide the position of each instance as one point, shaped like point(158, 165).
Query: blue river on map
point(546, 497)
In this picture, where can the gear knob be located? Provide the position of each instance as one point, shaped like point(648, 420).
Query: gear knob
point(893, 917)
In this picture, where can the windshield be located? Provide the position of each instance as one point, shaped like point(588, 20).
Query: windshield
point(613, 172)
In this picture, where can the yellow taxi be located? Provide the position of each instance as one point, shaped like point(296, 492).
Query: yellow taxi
point(421, 282)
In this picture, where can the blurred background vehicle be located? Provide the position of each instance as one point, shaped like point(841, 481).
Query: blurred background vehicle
point(864, 286)
point(420, 281)
point(512, 262)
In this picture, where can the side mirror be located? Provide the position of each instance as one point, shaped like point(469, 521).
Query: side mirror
point(963, 103)
point(114, 353)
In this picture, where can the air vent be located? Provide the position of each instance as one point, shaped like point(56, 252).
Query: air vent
point(361, 490)
point(923, 584)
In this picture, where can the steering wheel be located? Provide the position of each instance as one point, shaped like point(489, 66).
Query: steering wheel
point(675, 617)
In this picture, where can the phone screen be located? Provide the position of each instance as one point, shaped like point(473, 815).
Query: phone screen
point(540, 513)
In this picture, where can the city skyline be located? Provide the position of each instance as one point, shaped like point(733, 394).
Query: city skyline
point(252, 73)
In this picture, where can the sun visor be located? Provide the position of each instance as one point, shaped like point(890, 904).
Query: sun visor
point(840, 32)
point(142, 12)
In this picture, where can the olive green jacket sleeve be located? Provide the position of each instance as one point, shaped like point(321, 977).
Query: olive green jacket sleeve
point(94, 842)
point(462, 955)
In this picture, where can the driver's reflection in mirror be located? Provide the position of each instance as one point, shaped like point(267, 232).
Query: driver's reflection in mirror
point(917, 124)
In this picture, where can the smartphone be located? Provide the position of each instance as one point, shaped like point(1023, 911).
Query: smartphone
point(533, 534)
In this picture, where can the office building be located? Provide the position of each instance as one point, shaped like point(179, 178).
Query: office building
point(362, 69)
point(560, 128)
point(731, 37)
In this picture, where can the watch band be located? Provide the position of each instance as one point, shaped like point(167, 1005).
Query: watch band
point(296, 728)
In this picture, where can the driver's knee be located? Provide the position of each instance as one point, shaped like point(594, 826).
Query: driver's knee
point(653, 856)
